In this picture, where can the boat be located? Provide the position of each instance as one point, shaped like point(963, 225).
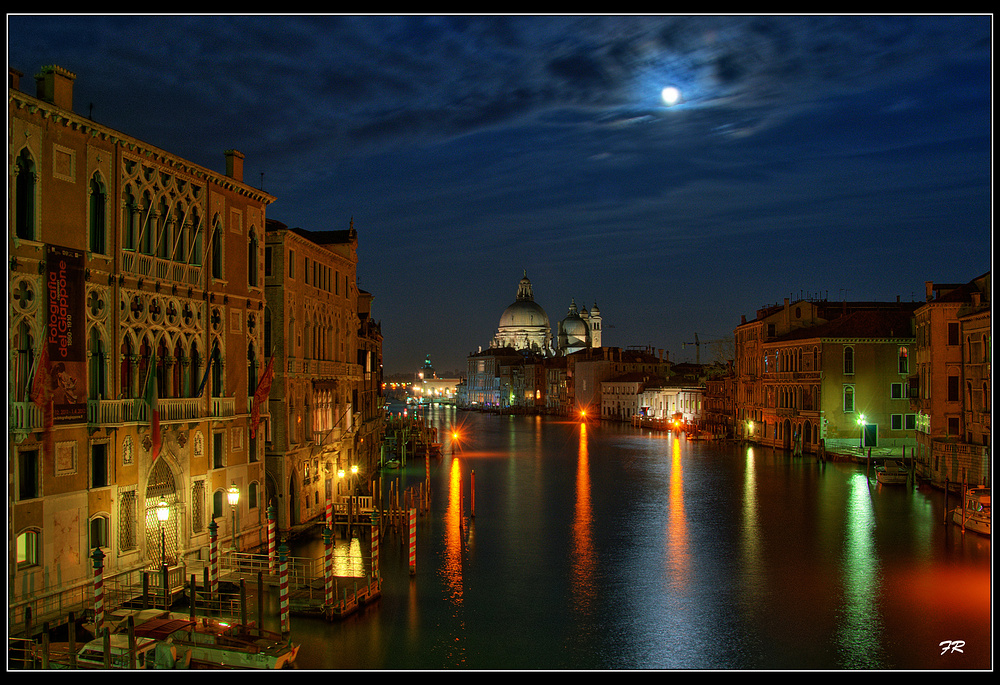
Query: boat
point(891, 472)
point(974, 515)
point(211, 643)
point(91, 654)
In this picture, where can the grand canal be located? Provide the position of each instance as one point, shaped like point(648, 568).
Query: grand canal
point(600, 546)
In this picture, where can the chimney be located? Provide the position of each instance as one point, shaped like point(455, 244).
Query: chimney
point(929, 288)
point(234, 165)
point(55, 84)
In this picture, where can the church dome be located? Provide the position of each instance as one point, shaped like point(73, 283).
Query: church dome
point(524, 324)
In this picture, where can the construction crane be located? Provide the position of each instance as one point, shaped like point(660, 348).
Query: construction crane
point(697, 346)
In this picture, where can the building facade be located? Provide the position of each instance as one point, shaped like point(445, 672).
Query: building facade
point(326, 416)
point(812, 373)
point(950, 382)
point(136, 291)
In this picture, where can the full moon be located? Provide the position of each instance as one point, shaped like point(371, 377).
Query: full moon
point(670, 95)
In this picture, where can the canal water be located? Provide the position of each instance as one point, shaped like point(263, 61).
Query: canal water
point(601, 546)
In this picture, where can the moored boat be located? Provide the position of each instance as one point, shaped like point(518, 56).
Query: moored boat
point(210, 643)
point(975, 513)
point(891, 472)
point(91, 654)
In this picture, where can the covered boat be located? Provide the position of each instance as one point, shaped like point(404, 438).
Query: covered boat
point(891, 472)
point(974, 514)
point(209, 643)
point(91, 654)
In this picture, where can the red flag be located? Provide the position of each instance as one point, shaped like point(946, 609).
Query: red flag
point(260, 395)
point(152, 394)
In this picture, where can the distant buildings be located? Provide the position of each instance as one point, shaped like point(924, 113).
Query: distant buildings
point(905, 379)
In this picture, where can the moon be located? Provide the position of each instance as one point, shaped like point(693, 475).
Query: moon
point(670, 95)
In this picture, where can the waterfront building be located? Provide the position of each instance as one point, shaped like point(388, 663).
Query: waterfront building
point(720, 400)
point(813, 373)
point(587, 369)
point(624, 397)
point(950, 382)
point(136, 284)
point(325, 403)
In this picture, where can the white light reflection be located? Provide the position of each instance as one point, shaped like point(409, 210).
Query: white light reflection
point(753, 566)
point(860, 632)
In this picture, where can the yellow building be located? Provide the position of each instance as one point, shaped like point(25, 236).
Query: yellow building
point(131, 268)
point(815, 373)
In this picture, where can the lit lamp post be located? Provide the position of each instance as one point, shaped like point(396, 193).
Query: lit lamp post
point(233, 495)
point(162, 514)
point(861, 439)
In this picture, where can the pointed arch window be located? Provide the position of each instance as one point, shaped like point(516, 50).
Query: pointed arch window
point(98, 366)
point(848, 361)
point(217, 247)
point(130, 222)
point(24, 196)
point(253, 261)
point(98, 216)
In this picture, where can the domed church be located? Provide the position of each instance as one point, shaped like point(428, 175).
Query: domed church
point(524, 325)
point(579, 330)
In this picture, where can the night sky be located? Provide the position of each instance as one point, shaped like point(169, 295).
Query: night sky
point(817, 156)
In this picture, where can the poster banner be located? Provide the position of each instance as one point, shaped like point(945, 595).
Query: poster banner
point(66, 338)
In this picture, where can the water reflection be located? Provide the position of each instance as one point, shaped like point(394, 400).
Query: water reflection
point(584, 559)
point(860, 632)
point(678, 553)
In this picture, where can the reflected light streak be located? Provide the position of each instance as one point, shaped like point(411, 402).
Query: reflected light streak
point(584, 557)
point(451, 561)
point(752, 575)
point(679, 559)
point(451, 568)
point(347, 560)
point(860, 632)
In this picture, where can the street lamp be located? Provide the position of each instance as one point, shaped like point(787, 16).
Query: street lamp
point(162, 514)
point(861, 439)
point(233, 495)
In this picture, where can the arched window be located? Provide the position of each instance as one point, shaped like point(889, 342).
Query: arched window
point(253, 261)
point(128, 370)
point(198, 243)
point(848, 399)
point(130, 220)
point(848, 361)
point(217, 386)
point(98, 366)
point(146, 226)
point(98, 216)
point(164, 233)
point(194, 375)
point(217, 246)
point(28, 546)
point(100, 532)
point(24, 196)
point(180, 237)
point(23, 362)
point(904, 360)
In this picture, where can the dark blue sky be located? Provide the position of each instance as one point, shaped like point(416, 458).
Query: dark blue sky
point(831, 156)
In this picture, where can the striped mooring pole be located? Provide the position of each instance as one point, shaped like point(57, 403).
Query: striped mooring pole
point(328, 545)
point(98, 557)
point(272, 536)
point(213, 559)
point(375, 536)
point(286, 627)
point(413, 541)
